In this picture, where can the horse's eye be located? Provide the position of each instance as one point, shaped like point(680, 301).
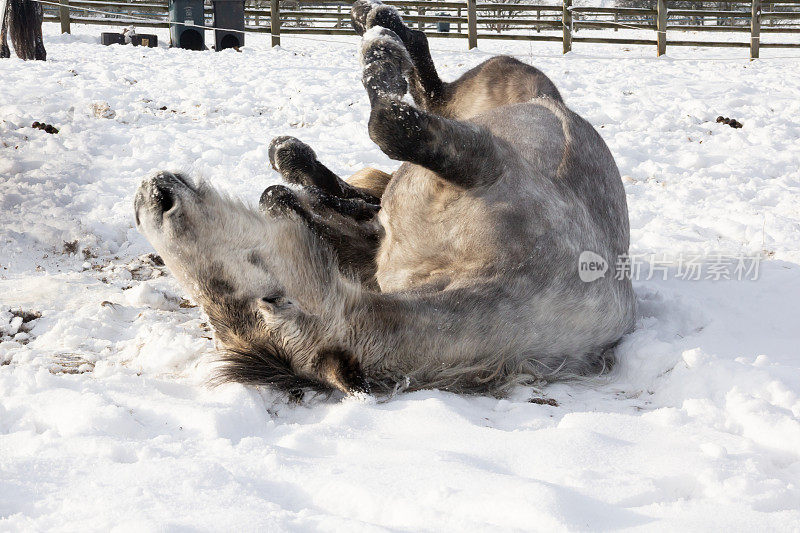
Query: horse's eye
point(275, 302)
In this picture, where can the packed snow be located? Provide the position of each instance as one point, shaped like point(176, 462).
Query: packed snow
point(106, 420)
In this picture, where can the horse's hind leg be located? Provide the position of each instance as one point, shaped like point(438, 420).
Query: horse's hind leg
point(427, 89)
point(497, 81)
point(463, 153)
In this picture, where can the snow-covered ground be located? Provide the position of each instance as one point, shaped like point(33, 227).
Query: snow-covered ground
point(105, 420)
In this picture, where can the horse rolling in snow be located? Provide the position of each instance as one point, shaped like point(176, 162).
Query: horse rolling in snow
point(458, 271)
point(23, 20)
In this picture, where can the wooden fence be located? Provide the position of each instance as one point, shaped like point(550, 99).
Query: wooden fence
point(471, 20)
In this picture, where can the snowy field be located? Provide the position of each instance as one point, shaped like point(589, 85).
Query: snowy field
point(105, 419)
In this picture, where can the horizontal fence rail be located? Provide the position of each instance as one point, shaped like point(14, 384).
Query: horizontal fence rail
point(468, 19)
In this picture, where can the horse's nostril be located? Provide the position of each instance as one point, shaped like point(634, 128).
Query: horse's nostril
point(165, 199)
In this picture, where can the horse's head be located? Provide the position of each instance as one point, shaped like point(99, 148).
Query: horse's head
point(245, 269)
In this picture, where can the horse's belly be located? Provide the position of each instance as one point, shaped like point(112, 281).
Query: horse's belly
point(435, 235)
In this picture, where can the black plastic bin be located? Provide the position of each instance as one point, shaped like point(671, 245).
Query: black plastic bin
point(112, 38)
point(441, 26)
point(228, 15)
point(144, 39)
point(187, 13)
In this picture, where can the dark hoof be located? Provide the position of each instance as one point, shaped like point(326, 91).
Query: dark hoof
point(359, 14)
point(289, 153)
point(366, 14)
point(386, 64)
point(387, 17)
point(279, 201)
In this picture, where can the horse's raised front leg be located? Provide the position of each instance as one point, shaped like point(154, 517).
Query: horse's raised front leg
point(463, 153)
point(346, 225)
point(298, 164)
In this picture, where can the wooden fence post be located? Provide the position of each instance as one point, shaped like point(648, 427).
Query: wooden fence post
point(472, 25)
point(275, 22)
point(755, 29)
point(661, 27)
point(566, 23)
point(63, 14)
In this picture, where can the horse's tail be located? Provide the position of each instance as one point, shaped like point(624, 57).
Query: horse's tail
point(24, 22)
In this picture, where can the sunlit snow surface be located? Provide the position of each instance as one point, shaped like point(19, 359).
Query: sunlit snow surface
point(105, 420)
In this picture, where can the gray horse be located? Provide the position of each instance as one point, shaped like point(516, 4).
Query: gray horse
point(23, 20)
point(459, 271)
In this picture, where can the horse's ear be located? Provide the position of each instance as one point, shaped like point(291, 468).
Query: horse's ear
point(341, 370)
